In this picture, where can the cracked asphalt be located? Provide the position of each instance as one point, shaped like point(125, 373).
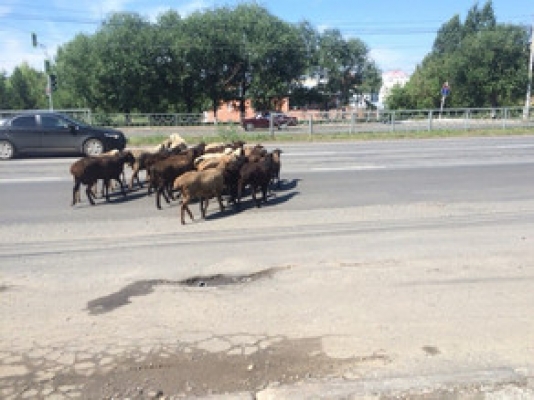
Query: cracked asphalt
point(427, 295)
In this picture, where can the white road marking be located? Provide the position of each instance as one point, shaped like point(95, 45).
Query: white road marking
point(349, 168)
point(33, 179)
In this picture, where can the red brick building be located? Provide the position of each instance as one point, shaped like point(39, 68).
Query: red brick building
point(229, 111)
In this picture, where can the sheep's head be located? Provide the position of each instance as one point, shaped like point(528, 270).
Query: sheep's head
point(128, 158)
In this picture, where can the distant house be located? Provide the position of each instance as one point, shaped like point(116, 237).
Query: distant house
point(389, 80)
point(228, 111)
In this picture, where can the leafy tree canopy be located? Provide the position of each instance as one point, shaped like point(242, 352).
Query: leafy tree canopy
point(190, 64)
point(484, 62)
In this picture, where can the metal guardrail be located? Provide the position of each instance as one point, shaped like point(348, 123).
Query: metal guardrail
point(314, 122)
point(335, 121)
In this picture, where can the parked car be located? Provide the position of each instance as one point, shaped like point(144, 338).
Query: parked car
point(263, 120)
point(46, 132)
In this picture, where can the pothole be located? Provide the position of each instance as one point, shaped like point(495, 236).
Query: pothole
point(224, 280)
point(121, 298)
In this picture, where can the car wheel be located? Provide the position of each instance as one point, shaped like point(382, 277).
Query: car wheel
point(93, 147)
point(7, 150)
point(249, 127)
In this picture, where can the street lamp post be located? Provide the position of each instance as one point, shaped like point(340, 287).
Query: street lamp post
point(526, 110)
point(50, 86)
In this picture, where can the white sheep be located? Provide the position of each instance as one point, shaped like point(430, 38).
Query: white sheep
point(212, 160)
point(175, 142)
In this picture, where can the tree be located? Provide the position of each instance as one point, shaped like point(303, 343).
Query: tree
point(124, 68)
point(27, 87)
point(76, 66)
point(484, 62)
point(490, 68)
point(479, 20)
point(5, 92)
point(346, 66)
point(449, 37)
point(271, 55)
point(189, 64)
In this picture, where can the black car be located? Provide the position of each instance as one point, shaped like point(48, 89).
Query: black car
point(54, 133)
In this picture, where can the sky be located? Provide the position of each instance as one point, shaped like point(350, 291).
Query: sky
point(398, 33)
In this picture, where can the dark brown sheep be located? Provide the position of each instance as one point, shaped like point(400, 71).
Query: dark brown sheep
point(164, 172)
point(88, 170)
point(257, 175)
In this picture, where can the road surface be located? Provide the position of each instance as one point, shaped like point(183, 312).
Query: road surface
point(395, 268)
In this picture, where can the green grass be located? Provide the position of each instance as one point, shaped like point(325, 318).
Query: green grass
point(228, 134)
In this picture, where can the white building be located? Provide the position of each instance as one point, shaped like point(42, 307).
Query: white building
point(389, 80)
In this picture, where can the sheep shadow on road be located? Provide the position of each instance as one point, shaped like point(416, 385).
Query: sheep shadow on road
point(285, 192)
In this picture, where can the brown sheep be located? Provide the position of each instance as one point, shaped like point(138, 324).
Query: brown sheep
point(142, 159)
point(258, 176)
point(164, 172)
point(88, 170)
point(201, 185)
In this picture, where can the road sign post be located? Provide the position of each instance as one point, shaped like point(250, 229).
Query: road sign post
point(445, 91)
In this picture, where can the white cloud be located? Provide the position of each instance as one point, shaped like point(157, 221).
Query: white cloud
point(390, 59)
point(195, 5)
point(14, 53)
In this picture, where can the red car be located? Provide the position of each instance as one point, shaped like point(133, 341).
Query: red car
point(263, 121)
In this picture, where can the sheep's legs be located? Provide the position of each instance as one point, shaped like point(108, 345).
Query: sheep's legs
point(90, 194)
point(204, 207)
point(123, 186)
point(185, 208)
point(105, 189)
point(221, 205)
point(135, 177)
point(239, 192)
point(256, 201)
point(159, 192)
point(264, 190)
point(76, 192)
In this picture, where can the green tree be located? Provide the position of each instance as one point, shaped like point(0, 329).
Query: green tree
point(449, 37)
point(484, 62)
point(490, 68)
point(479, 20)
point(124, 68)
point(27, 88)
point(346, 66)
point(5, 92)
point(76, 67)
point(171, 64)
point(271, 55)
point(189, 64)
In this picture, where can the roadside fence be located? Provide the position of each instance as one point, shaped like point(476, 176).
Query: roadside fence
point(314, 122)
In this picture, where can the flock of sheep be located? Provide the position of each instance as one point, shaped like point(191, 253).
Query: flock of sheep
point(175, 169)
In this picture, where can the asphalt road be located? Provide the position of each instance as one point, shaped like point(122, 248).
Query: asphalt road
point(378, 268)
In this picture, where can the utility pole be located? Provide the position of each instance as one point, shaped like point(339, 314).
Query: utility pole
point(50, 82)
point(526, 111)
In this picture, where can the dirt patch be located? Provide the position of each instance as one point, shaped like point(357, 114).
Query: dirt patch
point(195, 372)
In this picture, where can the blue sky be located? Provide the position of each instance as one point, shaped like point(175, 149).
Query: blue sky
point(398, 33)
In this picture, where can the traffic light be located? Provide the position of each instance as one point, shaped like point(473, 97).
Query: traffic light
point(47, 66)
point(53, 82)
point(34, 40)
